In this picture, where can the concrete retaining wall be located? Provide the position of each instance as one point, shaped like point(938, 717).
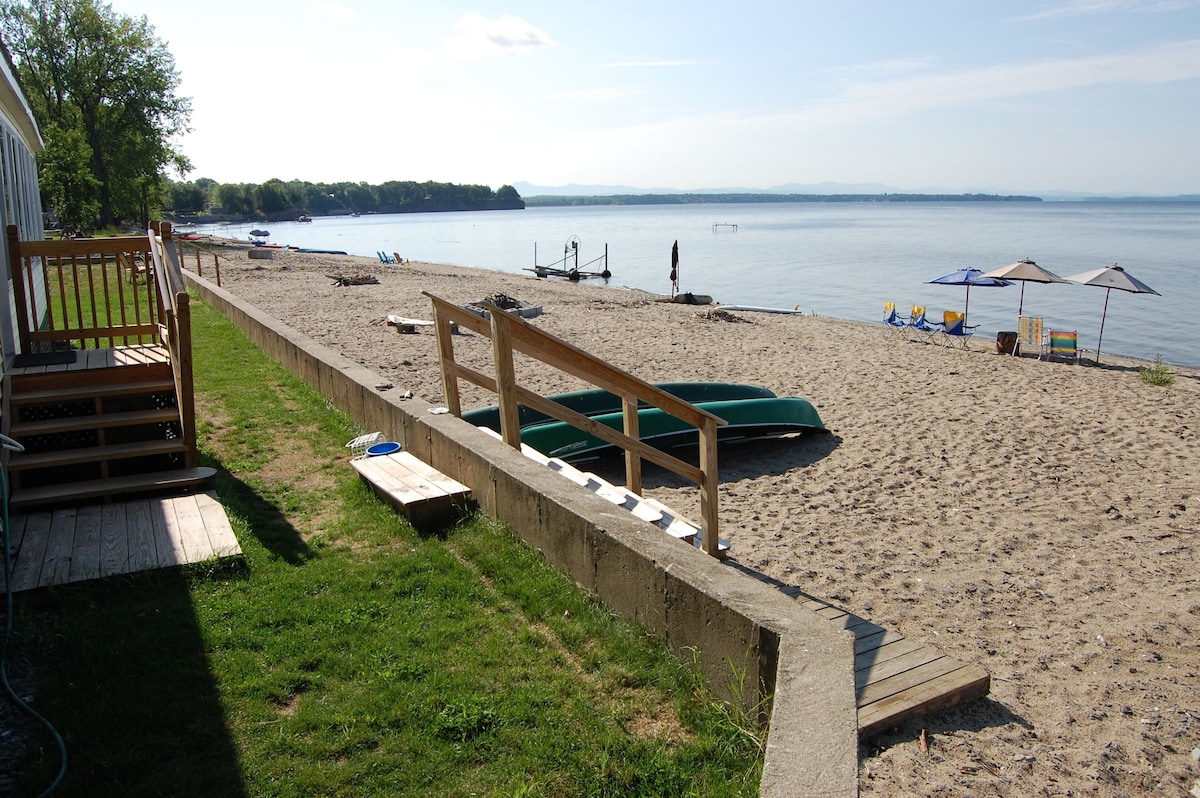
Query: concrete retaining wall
point(751, 642)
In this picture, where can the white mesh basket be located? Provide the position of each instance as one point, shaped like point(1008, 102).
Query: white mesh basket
point(358, 447)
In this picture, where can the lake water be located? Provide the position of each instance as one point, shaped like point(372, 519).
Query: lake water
point(836, 259)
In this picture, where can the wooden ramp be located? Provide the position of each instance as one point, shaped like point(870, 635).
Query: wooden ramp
point(894, 678)
point(425, 495)
point(75, 544)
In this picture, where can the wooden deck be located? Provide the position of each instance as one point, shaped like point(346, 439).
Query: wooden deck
point(895, 678)
point(90, 359)
point(75, 544)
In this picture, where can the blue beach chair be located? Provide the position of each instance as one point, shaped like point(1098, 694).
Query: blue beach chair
point(922, 325)
point(894, 322)
point(954, 327)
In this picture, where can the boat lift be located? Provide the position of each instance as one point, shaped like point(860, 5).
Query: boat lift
point(568, 267)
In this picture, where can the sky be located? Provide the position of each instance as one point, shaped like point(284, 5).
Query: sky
point(1023, 96)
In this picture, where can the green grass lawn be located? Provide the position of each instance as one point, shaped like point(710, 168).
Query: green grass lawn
point(348, 655)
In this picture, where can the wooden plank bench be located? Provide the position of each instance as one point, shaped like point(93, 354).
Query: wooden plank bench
point(426, 496)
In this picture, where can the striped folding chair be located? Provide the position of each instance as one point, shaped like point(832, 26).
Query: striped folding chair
point(1063, 344)
point(1030, 335)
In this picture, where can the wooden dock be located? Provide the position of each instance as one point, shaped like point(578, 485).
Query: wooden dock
point(75, 544)
point(894, 678)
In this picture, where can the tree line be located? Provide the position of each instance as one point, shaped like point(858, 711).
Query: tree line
point(274, 200)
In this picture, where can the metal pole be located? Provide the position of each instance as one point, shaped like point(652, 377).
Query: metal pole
point(1103, 315)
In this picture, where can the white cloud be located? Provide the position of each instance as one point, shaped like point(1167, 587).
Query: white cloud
point(478, 37)
point(1076, 8)
point(648, 64)
point(872, 99)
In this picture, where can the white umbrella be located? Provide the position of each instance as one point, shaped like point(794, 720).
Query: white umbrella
point(1026, 271)
point(1110, 277)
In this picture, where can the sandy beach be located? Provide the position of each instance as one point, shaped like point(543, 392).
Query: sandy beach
point(1041, 519)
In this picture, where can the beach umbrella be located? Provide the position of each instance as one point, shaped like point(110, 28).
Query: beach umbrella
point(674, 267)
point(1108, 278)
point(969, 277)
point(1024, 271)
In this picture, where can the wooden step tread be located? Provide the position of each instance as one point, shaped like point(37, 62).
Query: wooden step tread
point(95, 454)
point(135, 483)
point(97, 421)
point(50, 395)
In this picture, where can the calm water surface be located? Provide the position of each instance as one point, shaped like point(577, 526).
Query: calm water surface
point(834, 259)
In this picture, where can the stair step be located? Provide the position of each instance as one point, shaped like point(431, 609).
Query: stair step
point(136, 483)
point(94, 454)
point(104, 420)
point(89, 391)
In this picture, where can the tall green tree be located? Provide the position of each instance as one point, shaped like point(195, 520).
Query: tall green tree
point(91, 71)
point(66, 177)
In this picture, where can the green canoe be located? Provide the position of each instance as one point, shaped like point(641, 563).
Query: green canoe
point(596, 402)
point(748, 418)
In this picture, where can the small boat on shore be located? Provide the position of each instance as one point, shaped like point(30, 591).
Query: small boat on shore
point(595, 401)
point(750, 410)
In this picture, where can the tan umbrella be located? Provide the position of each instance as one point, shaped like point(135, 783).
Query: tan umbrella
point(1026, 271)
point(1110, 277)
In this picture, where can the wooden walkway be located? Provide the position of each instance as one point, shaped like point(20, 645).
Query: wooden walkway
point(75, 544)
point(894, 678)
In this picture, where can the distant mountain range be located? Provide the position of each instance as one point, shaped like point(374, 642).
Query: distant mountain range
point(526, 189)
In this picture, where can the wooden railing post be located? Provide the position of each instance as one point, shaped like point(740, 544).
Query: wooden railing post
point(506, 380)
point(710, 540)
point(633, 463)
point(181, 360)
point(16, 271)
point(445, 343)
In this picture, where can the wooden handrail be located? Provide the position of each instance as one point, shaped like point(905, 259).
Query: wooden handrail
point(510, 333)
point(181, 246)
point(72, 290)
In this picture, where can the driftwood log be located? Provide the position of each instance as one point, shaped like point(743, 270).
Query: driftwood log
point(353, 279)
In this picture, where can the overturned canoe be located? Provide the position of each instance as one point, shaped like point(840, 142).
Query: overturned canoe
point(595, 402)
point(747, 418)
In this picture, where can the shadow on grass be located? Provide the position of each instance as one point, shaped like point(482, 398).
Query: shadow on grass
point(264, 520)
point(126, 680)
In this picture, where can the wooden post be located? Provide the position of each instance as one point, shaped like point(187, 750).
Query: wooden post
point(445, 344)
point(633, 462)
point(17, 272)
point(710, 540)
point(182, 355)
point(506, 379)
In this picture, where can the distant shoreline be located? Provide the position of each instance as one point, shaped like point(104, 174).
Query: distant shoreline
point(549, 200)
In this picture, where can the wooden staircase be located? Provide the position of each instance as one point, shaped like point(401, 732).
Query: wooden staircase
point(103, 403)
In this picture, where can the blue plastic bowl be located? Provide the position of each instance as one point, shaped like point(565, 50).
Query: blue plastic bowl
point(388, 447)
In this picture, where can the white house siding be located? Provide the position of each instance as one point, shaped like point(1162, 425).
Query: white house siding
point(20, 141)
